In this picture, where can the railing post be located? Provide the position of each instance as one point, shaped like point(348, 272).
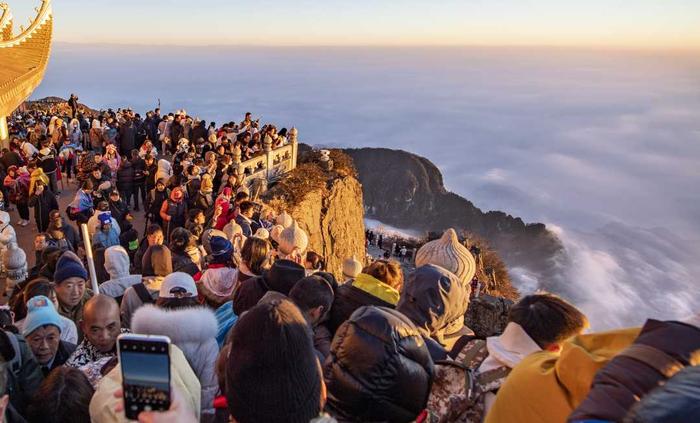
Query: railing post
point(267, 147)
point(293, 141)
point(237, 161)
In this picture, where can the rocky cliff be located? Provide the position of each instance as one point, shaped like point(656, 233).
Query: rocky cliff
point(327, 205)
point(407, 191)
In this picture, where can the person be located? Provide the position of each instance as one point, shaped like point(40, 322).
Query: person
point(81, 208)
point(151, 171)
point(156, 265)
point(190, 326)
point(154, 236)
point(255, 259)
point(436, 301)
point(127, 136)
point(73, 104)
point(17, 185)
point(101, 326)
point(68, 151)
point(281, 277)
point(70, 278)
point(661, 349)
point(28, 150)
point(94, 222)
point(47, 162)
point(107, 236)
point(118, 207)
point(95, 135)
point(217, 283)
point(43, 287)
point(245, 216)
point(140, 176)
point(195, 222)
point(68, 232)
point(63, 397)
point(448, 253)
point(173, 211)
point(180, 242)
point(22, 375)
point(314, 297)
point(314, 262)
point(43, 201)
point(7, 232)
point(157, 197)
point(126, 178)
point(378, 284)
point(539, 322)
point(101, 182)
point(117, 265)
point(379, 368)
point(204, 198)
point(42, 330)
point(278, 380)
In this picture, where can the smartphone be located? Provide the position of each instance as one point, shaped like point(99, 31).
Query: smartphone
point(145, 364)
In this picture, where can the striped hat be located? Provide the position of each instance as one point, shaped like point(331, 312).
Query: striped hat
point(447, 252)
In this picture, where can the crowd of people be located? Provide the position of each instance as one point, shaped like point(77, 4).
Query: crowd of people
point(261, 330)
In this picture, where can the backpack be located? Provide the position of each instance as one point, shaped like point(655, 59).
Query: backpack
point(458, 392)
point(143, 294)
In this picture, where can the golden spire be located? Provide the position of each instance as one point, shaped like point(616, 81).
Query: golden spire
point(24, 58)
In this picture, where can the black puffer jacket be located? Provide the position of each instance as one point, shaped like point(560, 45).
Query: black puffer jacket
point(379, 368)
point(632, 374)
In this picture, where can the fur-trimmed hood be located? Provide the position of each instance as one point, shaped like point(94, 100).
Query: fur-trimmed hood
point(195, 324)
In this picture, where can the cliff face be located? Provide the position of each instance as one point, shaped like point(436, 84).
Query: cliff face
point(406, 190)
point(327, 205)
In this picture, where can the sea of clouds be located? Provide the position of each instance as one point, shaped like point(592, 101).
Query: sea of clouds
point(603, 146)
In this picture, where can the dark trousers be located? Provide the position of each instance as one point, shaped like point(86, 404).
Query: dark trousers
point(142, 188)
point(52, 182)
point(68, 167)
point(126, 192)
point(23, 210)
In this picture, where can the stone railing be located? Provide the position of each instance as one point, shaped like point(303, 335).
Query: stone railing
point(271, 164)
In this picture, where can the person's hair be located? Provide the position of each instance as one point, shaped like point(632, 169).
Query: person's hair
point(254, 254)
point(87, 185)
point(311, 292)
point(64, 396)
point(192, 214)
point(153, 228)
point(177, 303)
point(547, 319)
point(241, 196)
point(179, 239)
point(316, 260)
point(37, 287)
point(245, 206)
point(387, 271)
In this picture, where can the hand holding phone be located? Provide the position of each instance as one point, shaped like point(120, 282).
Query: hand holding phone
point(145, 366)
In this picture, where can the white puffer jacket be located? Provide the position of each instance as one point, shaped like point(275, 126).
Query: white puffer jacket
point(193, 330)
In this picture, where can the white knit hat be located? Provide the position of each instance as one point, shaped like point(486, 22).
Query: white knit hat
point(448, 253)
point(275, 232)
point(284, 219)
point(351, 267)
point(232, 228)
point(262, 233)
point(292, 238)
point(14, 263)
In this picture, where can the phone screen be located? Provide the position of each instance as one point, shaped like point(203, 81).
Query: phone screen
point(145, 368)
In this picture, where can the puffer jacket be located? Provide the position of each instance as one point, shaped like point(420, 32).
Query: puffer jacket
point(379, 368)
point(117, 265)
point(193, 330)
point(280, 278)
point(629, 376)
point(362, 291)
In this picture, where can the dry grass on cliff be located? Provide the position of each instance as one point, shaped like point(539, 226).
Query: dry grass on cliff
point(308, 177)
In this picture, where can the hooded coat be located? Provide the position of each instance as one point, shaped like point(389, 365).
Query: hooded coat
point(165, 170)
point(379, 368)
point(193, 330)
point(155, 267)
point(117, 265)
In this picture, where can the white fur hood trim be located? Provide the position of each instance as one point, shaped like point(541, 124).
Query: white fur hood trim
point(195, 324)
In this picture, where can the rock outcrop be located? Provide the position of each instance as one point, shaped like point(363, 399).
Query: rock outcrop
point(327, 205)
point(407, 191)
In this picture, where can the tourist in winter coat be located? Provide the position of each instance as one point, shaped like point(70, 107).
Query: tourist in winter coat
point(189, 326)
point(379, 285)
point(96, 139)
point(26, 378)
point(280, 278)
point(157, 197)
point(106, 236)
point(69, 233)
point(117, 265)
point(180, 241)
point(43, 201)
point(17, 186)
point(70, 278)
point(165, 170)
point(639, 369)
point(156, 265)
point(81, 208)
point(118, 208)
point(126, 176)
point(379, 368)
point(42, 330)
point(140, 175)
point(217, 283)
point(173, 211)
point(127, 137)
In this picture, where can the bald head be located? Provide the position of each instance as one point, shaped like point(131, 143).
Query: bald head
point(101, 324)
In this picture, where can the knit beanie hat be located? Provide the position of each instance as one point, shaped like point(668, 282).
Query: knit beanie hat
point(40, 312)
point(177, 281)
point(157, 261)
point(351, 267)
point(69, 266)
point(275, 232)
point(262, 233)
point(284, 219)
point(207, 236)
point(232, 228)
point(14, 263)
point(272, 374)
point(221, 248)
point(292, 238)
point(447, 252)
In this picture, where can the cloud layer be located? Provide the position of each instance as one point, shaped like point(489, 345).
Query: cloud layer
point(603, 145)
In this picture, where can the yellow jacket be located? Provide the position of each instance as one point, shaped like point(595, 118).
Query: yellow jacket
point(547, 387)
point(374, 286)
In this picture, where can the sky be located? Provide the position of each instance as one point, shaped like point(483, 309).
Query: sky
point(610, 23)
